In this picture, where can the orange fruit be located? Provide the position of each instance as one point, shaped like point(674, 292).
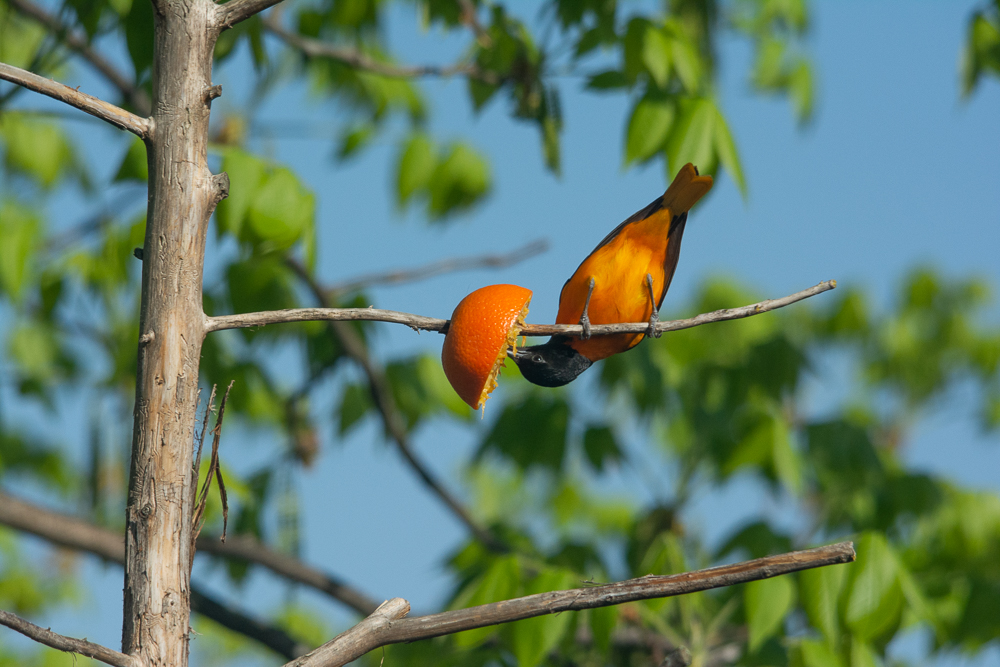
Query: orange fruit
point(482, 327)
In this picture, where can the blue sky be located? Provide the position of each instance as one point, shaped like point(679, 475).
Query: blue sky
point(895, 170)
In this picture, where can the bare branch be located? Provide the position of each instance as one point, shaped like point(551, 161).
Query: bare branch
point(386, 629)
point(73, 533)
point(136, 96)
point(419, 322)
point(391, 418)
point(316, 48)
point(235, 11)
point(68, 644)
point(253, 550)
point(118, 117)
point(439, 267)
point(360, 639)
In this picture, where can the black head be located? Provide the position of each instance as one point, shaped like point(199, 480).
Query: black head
point(550, 365)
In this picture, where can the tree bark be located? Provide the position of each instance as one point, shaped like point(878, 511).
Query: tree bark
point(182, 195)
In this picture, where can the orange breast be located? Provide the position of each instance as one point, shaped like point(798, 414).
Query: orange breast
point(619, 271)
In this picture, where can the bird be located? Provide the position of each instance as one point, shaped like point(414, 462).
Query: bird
point(624, 279)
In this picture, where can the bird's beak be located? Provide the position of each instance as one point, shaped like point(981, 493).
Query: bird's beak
point(515, 355)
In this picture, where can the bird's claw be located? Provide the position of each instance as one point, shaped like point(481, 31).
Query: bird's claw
point(585, 323)
point(585, 318)
point(653, 319)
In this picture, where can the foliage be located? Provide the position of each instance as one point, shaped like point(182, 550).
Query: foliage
point(713, 404)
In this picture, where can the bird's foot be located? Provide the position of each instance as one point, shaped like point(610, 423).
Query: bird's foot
point(585, 318)
point(655, 316)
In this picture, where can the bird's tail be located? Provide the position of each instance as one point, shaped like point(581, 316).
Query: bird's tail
point(685, 191)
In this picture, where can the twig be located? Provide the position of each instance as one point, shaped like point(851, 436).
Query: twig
point(214, 470)
point(68, 644)
point(420, 322)
point(390, 628)
point(391, 418)
point(316, 48)
point(72, 533)
point(439, 267)
point(253, 550)
point(270, 636)
point(88, 103)
point(235, 11)
point(137, 97)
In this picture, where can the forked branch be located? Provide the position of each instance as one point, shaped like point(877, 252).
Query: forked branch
point(420, 322)
point(387, 625)
point(68, 644)
point(88, 103)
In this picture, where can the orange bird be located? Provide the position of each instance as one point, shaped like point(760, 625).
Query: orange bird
point(623, 280)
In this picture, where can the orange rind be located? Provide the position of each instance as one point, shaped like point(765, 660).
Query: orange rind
point(483, 327)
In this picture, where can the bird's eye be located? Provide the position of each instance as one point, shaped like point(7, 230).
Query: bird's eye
point(537, 358)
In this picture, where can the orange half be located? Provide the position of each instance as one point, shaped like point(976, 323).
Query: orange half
point(483, 326)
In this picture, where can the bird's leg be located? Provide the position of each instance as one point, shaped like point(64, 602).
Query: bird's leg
point(655, 316)
point(585, 318)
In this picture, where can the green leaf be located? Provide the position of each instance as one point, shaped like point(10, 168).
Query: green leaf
point(38, 149)
point(282, 211)
point(602, 624)
point(34, 349)
point(656, 55)
point(460, 180)
point(609, 80)
point(688, 64)
point(355, 140)
point(814, 653)
point(767, 603)
point(246, 174)
point(725, 147)
point(355, 403)
point(139, 36)
point(417, 163)
point(600, 446)
point(545, 417)
point(134, 166)
point(648, 128)
point(19, 231)
point(819, 592)
point(800, 86)
point(692, 137)
point(534, 638)
point(632, 50)
point(874, 599)
point(501, 581)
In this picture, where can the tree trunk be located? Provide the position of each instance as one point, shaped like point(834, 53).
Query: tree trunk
point(182, 195)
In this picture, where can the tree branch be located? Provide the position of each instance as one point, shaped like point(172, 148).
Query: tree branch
point(391, 418)
point(437, 268)
point(388, 627)
point(137, 97)
point(316, 48)
point(419, 322)
point(73, 533)
point(235, 11)
point(118, 117)
point(68, 644)
point(250, 549)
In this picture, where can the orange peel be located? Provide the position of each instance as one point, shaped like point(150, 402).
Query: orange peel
point(484, 325)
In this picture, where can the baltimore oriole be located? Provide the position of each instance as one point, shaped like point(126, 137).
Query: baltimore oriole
point(623, 280)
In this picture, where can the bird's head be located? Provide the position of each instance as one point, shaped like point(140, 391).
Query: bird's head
point(550, 365)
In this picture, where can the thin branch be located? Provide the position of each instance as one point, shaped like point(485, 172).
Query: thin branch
point(137, 97)
point(118, 117)
point(419, 322)
point(388, 627)
point(68, 644)
point(235, 11)
point(72, 533)
point(391, 417)
point(437, 268)
point(245, 547)
point(316, 48)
